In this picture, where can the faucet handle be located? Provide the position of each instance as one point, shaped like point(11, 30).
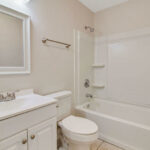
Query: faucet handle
point(14, 95)
point(11, 96)
point(7, 96)
point(87, 83)
point(2, 97)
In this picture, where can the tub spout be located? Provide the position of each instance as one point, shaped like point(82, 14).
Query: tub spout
point(89, 95)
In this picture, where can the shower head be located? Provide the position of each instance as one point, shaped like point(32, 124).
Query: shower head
point(90, 28)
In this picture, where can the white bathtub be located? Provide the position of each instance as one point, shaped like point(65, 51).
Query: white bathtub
point(125, 125)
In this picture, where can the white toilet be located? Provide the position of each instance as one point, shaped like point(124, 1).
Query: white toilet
point(79, 132)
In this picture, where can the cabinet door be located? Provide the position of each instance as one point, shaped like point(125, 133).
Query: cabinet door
point(17, 142)
point(43, 136)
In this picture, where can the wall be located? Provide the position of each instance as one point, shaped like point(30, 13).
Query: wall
point(126, 72)
point(122, 43)
point(128, 16)
point(52, 67)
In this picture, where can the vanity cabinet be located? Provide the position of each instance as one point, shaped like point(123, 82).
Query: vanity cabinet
point(33, 130)
point(43, 136)
point(16, 142)
point(38, 137)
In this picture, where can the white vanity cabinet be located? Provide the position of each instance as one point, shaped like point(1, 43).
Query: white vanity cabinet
point(32, 130)
point(16, 142)
point(39, 137)
point(43, 136)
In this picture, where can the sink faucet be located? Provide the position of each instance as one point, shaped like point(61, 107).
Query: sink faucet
point(89, 95)
point(7, 97)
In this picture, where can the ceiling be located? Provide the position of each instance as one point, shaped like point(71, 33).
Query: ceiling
point(97, 5)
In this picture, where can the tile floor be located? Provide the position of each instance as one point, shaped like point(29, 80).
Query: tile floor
point(101, 145)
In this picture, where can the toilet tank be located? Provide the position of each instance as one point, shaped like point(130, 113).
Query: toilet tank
point(64, 101)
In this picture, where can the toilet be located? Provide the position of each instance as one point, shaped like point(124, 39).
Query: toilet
point(80, 133)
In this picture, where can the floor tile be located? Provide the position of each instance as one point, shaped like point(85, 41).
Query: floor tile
point(107, 146)
point(96, 145)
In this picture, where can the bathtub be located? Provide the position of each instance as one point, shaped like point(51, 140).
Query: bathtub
point(124, 125)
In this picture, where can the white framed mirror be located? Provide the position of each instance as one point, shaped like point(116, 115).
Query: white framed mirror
point(14, 42)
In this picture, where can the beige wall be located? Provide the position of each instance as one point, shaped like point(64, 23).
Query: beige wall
point(128, 16)
point(52, 68)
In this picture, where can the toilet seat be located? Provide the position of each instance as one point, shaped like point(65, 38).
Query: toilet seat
point(79, 125)
point(79, 129)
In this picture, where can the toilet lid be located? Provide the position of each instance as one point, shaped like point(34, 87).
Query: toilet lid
point(79, 125)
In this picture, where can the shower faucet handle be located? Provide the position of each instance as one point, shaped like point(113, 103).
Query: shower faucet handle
point(87, 83)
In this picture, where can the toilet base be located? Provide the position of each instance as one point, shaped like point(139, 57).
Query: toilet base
point(80, 146)
point(62, 148)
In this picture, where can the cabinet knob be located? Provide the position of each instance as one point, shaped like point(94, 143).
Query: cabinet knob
point(32, 137)
point(24, 141)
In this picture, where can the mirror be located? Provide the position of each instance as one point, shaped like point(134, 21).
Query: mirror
point(11, 41)
point(14, 42)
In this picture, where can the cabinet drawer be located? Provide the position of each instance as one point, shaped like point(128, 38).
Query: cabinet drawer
point(24, 121)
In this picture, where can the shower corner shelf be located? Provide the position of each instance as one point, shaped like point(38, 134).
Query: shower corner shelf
point(98, 65)
point(98, 86)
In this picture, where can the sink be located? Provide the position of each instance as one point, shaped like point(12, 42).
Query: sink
point(22, 104)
